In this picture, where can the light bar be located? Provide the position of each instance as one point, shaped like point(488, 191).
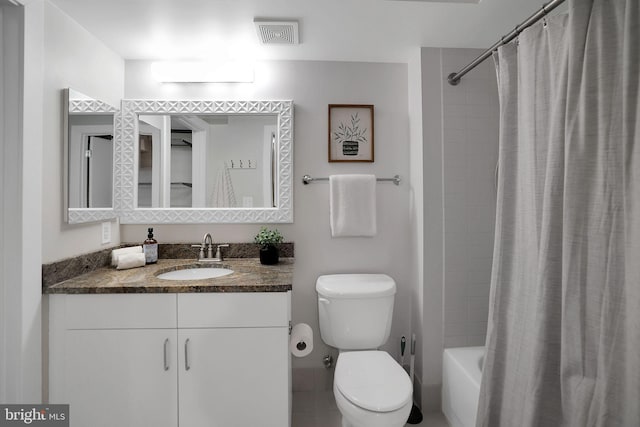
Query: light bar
point(202, 72)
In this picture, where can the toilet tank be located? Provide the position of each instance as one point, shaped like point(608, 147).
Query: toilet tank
point(355, 310)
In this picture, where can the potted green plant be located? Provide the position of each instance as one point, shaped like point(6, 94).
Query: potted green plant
point(268, 241)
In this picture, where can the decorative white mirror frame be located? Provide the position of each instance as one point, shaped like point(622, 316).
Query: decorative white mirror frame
point(126, 185)
point(86, 106)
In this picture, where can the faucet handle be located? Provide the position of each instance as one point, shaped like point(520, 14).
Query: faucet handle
point(219, 251)
point(201, 255)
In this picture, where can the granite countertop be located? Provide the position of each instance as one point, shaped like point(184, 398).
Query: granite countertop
point(248, 276)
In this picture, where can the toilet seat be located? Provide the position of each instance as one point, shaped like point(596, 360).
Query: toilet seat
point(372, 380)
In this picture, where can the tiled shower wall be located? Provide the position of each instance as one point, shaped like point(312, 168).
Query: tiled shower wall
point(470, 152)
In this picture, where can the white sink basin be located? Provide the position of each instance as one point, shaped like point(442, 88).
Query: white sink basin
point(195, 274)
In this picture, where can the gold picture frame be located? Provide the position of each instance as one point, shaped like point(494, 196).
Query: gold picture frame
point(351, 133)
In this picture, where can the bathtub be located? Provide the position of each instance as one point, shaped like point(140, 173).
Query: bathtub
point(461, 374)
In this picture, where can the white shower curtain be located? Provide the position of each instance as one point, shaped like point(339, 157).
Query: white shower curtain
point(563, 343)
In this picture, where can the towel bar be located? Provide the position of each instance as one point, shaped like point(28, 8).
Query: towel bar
point(307, 179)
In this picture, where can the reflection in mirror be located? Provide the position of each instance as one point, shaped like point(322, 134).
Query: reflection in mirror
point(90, 161)
point(205, 161)
point(89, 148)
point(210, 161)
point(149, 141)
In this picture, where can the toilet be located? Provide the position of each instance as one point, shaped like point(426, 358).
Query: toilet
point(355, 311)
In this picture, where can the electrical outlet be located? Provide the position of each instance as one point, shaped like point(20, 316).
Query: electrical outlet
point(106, 233)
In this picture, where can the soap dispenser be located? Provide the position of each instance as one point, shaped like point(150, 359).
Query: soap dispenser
point(150, 248)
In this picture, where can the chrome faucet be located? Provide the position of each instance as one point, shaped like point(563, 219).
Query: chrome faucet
point(207, 243)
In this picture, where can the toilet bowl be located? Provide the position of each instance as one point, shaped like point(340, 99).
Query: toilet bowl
point(371, 390)
point(355, 311)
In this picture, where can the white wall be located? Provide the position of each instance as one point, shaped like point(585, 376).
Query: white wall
point(11, 333)
point(312, 86)
point(416, 212)
point(432, 80)
point(470, 141)
point(72, 58)
point(460, 139)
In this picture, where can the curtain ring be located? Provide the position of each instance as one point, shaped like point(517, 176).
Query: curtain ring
point(544, 22)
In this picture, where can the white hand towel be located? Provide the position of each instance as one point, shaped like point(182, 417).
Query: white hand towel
point(352, 200)
point(223, 195)
point(117, 252)
point(126, 261)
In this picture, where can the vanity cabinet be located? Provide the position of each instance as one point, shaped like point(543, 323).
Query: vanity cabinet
point(116, 378)
point(239, 344)
point(187, 360)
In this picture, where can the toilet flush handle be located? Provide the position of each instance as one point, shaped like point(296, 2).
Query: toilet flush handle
point(323, 300)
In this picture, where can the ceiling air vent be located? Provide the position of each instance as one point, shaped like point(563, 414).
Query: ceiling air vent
point(277, 32)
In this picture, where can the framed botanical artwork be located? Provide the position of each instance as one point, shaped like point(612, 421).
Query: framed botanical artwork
point(350, 133)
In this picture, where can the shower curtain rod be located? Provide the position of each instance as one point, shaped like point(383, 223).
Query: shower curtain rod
point(454, 78)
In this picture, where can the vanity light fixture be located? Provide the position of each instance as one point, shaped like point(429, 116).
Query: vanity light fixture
point(202, 72)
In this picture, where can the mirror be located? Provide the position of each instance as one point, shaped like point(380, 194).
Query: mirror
point(214, 160)
point(88, 158)
point(206, 161)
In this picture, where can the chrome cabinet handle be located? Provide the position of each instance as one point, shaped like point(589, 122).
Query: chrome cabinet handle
point(186, 355)
point(166, 355)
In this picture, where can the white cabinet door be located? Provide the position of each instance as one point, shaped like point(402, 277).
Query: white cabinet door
point(122, 377)
point(233, 377)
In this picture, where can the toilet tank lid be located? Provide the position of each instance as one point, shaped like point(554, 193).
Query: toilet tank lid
point(355, 285)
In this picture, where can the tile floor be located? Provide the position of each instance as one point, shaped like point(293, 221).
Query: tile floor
point(318, 409)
